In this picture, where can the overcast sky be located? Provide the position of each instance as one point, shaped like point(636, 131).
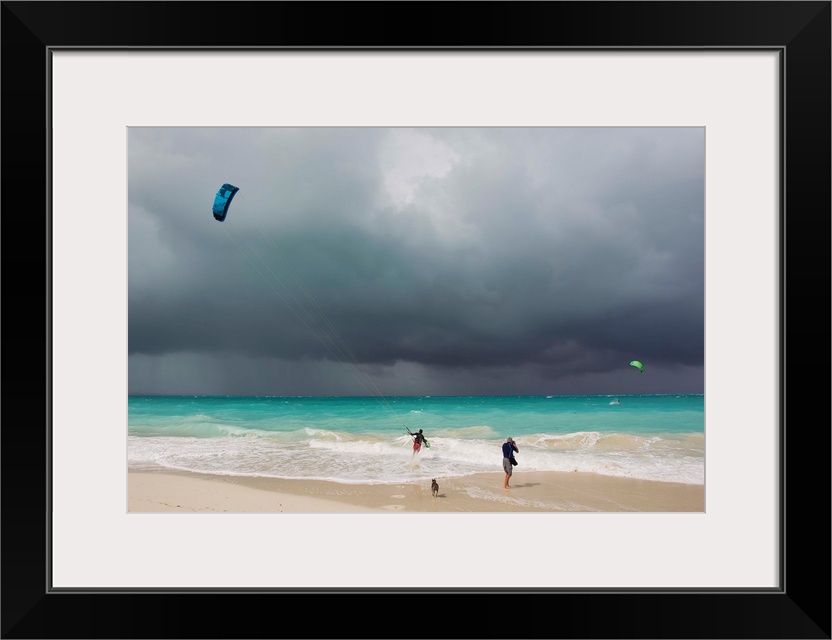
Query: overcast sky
point(446, 261)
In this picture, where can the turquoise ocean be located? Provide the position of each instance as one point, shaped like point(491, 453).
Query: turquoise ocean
point(365, 439)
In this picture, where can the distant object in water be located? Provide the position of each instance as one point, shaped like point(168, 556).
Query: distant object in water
point(616, 401)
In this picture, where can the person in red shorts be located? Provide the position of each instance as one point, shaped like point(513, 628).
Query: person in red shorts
point(418, 439)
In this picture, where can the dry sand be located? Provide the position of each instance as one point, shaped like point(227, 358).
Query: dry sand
point(170, 491)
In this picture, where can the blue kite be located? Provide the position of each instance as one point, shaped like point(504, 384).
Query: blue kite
point(223, 200)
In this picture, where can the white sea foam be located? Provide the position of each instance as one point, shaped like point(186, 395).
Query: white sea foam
point(353, 458)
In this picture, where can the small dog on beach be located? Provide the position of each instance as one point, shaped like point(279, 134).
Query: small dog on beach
point(434, 487)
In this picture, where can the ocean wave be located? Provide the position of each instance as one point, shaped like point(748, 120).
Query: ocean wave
point(374, 458)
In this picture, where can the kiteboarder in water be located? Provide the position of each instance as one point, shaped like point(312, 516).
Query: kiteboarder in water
point(418, 440)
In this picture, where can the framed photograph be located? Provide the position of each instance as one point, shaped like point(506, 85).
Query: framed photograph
point(110, 105)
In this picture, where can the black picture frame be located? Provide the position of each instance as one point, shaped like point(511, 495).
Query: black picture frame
point(799, 608)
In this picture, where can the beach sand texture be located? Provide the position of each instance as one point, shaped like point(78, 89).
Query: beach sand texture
point(547, 491)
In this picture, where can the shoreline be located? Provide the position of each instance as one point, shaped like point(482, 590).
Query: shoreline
point(167, 490)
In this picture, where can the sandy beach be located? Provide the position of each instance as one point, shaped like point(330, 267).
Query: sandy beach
point(549, 491)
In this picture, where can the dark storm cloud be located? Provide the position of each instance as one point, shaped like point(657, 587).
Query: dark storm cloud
point(463, 257)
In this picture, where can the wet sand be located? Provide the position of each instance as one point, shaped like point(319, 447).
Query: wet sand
point(172, 491)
